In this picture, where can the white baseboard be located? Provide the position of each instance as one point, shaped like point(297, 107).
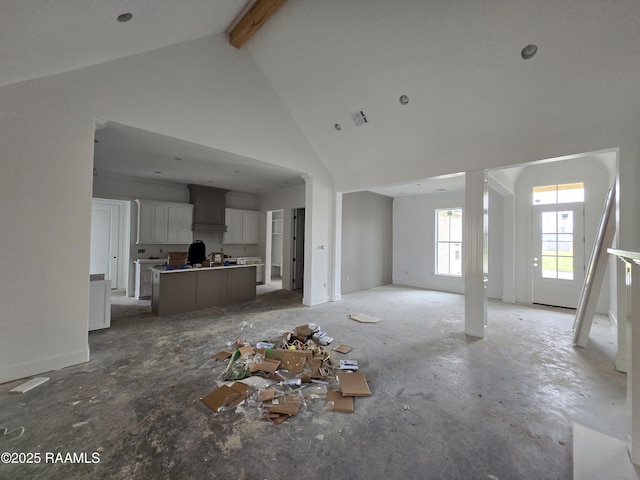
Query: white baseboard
point(36, 367)
point(310, 302)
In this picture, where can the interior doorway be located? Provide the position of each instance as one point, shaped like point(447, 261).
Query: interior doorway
point(277, 246)
point(297, 264)
point(109, 229)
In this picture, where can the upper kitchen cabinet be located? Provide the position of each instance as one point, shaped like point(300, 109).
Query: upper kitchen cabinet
point(164, 222)
point(208, 208)
point(243, 227)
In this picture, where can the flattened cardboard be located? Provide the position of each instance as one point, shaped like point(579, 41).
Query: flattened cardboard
point(364, 318)
point(220, 397)
point(285, 405)
point(340, 403)
point(222, 355)
point(280, 419)
point(241, 387)
point(315, 364)
point(342, 348)
point(266, 394)
point(353, 384)
point(244, 351)
point(292, 360)
point(268, 365)
point(302, 332)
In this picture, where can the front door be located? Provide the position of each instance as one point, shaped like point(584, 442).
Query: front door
point(558, 254)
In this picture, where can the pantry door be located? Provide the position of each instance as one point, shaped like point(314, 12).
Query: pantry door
point(105, 235)
point(558, 254)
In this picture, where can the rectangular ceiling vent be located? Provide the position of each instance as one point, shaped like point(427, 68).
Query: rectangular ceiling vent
point(360, 118)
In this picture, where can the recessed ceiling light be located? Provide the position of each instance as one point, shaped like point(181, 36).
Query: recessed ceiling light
point(125, 17)
point(442, 189)
point(529, 51)
point(403, 99)
point(178, 159)
point(157, 171)
point(236, 171)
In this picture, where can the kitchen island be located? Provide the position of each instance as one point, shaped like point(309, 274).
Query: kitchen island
point(185, 290)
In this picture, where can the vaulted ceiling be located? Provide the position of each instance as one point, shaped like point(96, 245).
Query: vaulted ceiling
point(458, 62)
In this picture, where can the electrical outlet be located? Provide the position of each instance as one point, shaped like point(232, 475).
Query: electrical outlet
point(141, 250)
point(161, 250)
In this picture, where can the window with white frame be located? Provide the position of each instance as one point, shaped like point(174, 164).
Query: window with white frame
point(449, 241)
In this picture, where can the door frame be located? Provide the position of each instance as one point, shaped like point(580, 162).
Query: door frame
point(579, 253)
point(123, 239)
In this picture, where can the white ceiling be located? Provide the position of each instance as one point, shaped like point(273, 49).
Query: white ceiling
point(44, 37)
point(127, 151)
point(458, 61)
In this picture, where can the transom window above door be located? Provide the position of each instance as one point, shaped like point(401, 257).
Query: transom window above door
point(563, 193)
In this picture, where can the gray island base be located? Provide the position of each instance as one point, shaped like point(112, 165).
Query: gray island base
point(185, 290)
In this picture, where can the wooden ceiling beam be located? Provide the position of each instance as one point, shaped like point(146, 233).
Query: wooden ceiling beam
point(251, 21)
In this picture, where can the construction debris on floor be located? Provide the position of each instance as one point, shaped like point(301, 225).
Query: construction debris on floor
point(278, 379)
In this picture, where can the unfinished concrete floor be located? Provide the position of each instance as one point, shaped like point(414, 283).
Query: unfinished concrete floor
point(444, 405)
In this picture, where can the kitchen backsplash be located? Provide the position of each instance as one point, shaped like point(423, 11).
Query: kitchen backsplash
point(212, 241)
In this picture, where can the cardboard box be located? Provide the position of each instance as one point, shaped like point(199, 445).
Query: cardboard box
point(176, 259)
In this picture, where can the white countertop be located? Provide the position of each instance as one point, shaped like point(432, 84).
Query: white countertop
point(221, 267)
point(157, 261)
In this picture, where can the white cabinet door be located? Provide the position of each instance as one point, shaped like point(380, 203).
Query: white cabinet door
point(152, 223)
point(243, 227)
point(163, 222)
point(179, 223)
point(250, 227)
point(233, 220)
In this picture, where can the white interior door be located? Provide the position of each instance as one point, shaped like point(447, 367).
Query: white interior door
point(558, 254)
point(105, 233)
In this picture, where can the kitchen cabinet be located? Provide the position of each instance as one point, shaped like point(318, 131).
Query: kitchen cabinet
point(179, 291)
point(243, 227)
point(144, 277)
point(99, 302)
point(164, 222)
point(209, 208)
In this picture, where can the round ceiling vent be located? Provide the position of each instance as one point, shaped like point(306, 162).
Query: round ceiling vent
point(529, 51)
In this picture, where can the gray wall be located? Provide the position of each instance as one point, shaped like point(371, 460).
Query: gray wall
point(367, 241)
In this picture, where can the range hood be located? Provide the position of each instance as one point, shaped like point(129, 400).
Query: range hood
point(208, 208)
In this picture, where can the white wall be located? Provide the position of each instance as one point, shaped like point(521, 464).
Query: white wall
point(367, 241)
point(414, 233)
point(596, 179)
point(203, 91)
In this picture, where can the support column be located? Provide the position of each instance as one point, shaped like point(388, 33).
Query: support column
point(476, 253)
point(632, 321)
